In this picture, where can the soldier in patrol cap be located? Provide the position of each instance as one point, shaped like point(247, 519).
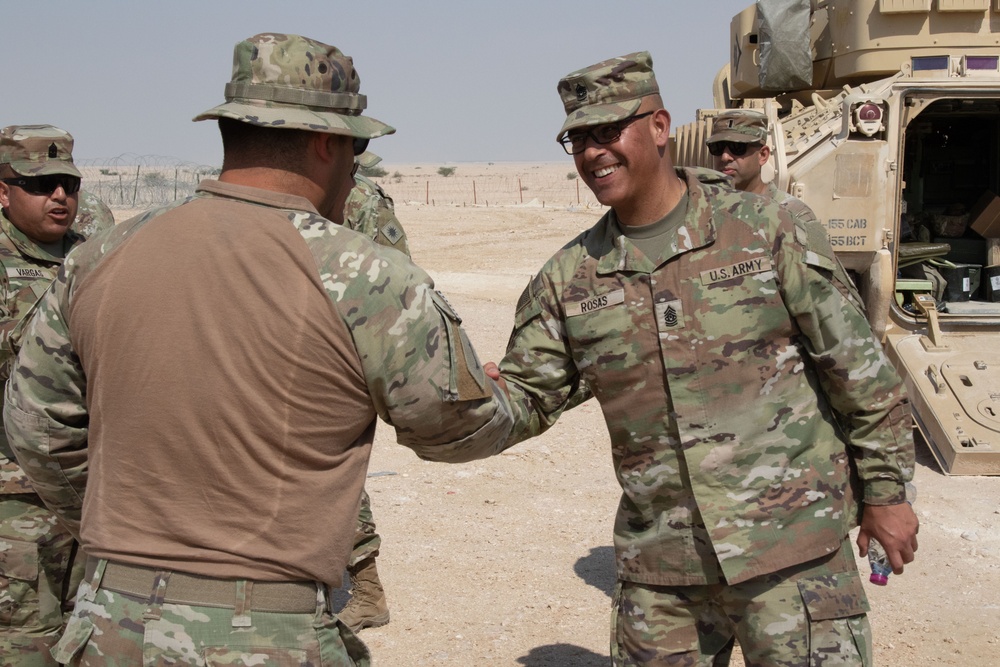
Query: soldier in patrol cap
point(369, 211)
point(214, 395)
point(709, 326)
point(739, 149)
point(39, 190)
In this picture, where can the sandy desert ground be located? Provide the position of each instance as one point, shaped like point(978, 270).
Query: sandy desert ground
point(508, 561)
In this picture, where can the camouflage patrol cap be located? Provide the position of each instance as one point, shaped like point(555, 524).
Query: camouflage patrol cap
point(741, 125)
point(609, 91)
point(297, 83)
point(367, 160)
point(37, 150)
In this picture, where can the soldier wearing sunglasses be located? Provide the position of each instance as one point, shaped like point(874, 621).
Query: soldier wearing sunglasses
point(39, 192)
point(739, 149)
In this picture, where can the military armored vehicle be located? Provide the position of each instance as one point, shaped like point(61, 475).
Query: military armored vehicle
point(885, 119)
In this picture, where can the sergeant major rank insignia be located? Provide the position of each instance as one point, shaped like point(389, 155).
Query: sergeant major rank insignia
point(669, 315)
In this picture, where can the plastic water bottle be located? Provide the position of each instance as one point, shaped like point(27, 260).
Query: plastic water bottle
point(881, 568)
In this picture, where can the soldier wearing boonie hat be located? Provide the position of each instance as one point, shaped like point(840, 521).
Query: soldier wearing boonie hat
point(39, 194)
point(707, 323)
point(296, 83)
point(247, 342)
point(325, 98)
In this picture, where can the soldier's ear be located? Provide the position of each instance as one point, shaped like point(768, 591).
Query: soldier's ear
point(765, 152)
point(4, 195)
point(661, 127)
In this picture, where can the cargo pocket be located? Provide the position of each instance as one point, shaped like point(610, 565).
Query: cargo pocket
point(643, 634)
point(225, 656)
point(356, 649)
point(74, 638)
point(18, 582)
point(839, 633)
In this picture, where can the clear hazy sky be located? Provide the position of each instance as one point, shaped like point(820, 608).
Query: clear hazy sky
point(461, 80)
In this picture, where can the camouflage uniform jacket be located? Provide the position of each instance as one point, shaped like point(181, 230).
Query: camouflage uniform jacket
point(725, 369)
point(422, 374)
point(370, 211)
point(26, 270)
point(805, 218)
point(92, 215)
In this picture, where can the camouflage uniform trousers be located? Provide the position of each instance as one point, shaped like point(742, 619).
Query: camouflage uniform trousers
point(810, 614)
point(366, 540)
point(111, 629)
point(35, 577)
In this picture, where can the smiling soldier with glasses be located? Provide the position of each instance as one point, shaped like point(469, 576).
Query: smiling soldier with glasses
point(575, 142)
point(723, 349)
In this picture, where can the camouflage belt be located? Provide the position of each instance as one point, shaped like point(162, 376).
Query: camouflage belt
point(290, 597)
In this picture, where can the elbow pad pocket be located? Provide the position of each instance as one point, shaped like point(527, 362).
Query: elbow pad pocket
point(468, 381)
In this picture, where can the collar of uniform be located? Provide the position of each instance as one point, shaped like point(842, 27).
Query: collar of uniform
point(30, 248)
point(257, 195)
point(698, 230)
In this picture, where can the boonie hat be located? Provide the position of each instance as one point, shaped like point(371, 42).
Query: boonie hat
point(294, 82)
point(741, 125)
point(609, 91)
point(37, 150)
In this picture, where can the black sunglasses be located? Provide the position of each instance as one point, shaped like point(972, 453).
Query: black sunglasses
point(734, 148)
point(360, 146)
point(575, 142)
point(46, 185)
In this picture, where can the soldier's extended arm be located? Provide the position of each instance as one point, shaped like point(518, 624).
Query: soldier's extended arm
point(541, 376)
point(423, 374)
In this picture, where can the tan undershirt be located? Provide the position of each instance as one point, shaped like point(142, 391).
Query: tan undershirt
point(238, 454)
